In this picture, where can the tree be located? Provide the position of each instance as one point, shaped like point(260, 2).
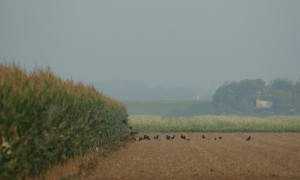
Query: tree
point(297, 98)
point(284, 96)
point(239, 97)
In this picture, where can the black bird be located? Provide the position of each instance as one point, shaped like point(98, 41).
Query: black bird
point(140, 138)
point(168, 137)
point(203, 137)
point(182, 136)
point(133, 133)
point(156, 137)
point(220, 137)
point(173, 137)
point(249, 138)
point(146, 137)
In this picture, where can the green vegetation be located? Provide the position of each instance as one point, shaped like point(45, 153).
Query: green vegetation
point(169, 108)
point(216, 124)
point(45, 120)
point(239, 98)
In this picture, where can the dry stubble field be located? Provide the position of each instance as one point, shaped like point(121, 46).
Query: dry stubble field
point(265, 156)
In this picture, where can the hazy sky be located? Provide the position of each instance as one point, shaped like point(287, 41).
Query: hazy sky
point(166, 43)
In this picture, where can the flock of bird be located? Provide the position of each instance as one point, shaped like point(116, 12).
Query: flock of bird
point(170, 137)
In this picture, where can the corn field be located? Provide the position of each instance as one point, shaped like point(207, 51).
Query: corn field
point(147, 123)
point(45, 120)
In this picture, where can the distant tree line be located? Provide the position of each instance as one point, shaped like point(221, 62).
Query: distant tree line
point(240, 97)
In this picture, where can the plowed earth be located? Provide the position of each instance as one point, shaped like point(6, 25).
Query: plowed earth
point(265, 156)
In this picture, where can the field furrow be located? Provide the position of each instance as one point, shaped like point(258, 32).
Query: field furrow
point(265, 156)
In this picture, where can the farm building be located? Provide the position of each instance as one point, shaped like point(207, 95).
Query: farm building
point(259, 104)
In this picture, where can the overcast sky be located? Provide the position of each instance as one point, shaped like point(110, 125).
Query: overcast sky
point(167, 43)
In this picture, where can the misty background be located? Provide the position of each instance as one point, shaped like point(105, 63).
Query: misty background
point(170, 49)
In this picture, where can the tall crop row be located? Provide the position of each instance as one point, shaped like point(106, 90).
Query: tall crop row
point(45, 120)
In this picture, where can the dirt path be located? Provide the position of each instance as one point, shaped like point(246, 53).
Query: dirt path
point(265, 156)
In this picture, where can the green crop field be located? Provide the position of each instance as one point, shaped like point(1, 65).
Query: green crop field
point(45, 120)
point(169, 108)
point(146, 123)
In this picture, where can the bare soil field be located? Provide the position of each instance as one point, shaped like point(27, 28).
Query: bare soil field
point(265, 156)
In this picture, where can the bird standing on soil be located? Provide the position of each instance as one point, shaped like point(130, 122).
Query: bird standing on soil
point(203, 137)
point(182, 136)
point(133, 133)
point(168, 137)
point(249, 138)
point(146, 137)
point(156, 137)
point(173, 137)
point(220, 137)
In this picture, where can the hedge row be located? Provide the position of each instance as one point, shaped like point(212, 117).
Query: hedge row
point(45, 120)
